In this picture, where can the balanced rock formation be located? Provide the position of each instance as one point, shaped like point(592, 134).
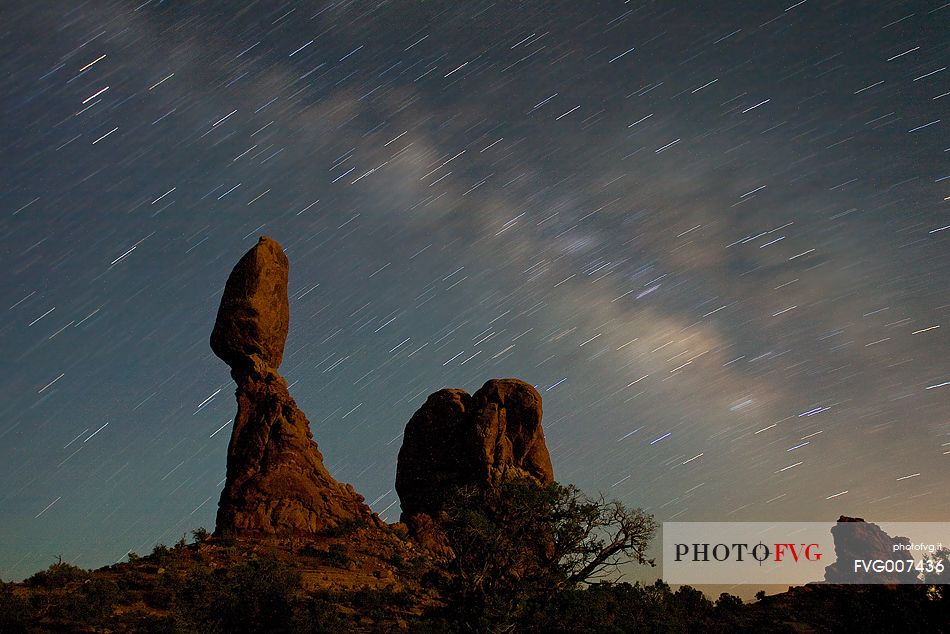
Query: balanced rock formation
point(456, 440)
point(276, 482)
point(254, 315)
point(856, 539)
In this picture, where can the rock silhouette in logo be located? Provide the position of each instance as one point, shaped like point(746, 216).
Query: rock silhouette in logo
point(857, 540)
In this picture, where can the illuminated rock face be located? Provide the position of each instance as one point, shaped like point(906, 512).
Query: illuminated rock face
point(251, 327)
point(276, 482)
point(456, 440)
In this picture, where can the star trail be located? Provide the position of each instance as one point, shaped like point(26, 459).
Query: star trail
point(712, 234)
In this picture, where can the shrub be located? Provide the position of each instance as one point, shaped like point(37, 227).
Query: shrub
point(98, 597)
point(89, 603)
point(57, 575)
point(320, 613)
point(160, 597)
point(142, 622)
point(374, 597)
point(257, 595)
point(336, 555)
point(728, 602)
point(200, 534)
point(160, 553)
point(397, 560)
point(310, 551)
point(15, 612)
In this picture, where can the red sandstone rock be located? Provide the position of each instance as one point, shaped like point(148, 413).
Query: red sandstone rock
point(276, 482)
point(254, 314)
point(457, 440)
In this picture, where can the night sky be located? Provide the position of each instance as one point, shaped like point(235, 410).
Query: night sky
point(714, 235)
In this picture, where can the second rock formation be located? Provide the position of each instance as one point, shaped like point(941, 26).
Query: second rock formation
point(456, 440)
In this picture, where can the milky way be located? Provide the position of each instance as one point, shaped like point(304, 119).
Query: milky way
point(714, 237)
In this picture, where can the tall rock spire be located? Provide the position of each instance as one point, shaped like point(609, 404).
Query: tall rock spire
point(276, 482)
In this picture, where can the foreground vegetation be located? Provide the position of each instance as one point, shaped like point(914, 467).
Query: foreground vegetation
point(264, 595)
point(526, 559)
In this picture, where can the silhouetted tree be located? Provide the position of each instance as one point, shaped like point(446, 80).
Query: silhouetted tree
point(518, 547)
